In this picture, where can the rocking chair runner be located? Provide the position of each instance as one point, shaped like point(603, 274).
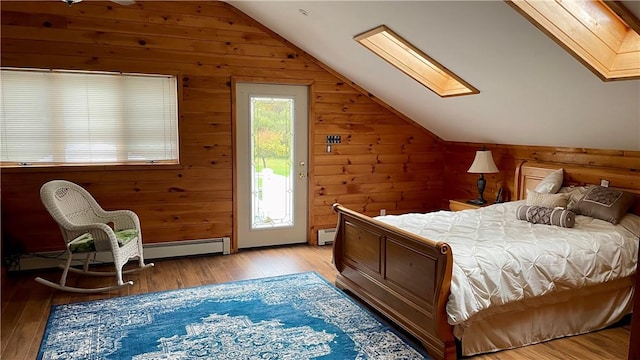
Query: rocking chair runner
point(87, 228)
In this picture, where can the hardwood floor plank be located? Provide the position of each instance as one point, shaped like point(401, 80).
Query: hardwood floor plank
point(35, 311)
point(26, 304)
point(12, 307)
point(34, 347)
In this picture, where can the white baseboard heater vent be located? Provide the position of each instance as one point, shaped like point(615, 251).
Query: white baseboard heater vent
point(326, 236)
point(187, 247)
point(51, 259)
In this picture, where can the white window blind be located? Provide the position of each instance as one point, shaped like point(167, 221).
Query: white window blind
point(84, 117)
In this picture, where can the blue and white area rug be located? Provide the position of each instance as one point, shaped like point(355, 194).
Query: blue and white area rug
point(294, 317)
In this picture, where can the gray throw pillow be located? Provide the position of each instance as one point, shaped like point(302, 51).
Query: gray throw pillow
point(604, 203)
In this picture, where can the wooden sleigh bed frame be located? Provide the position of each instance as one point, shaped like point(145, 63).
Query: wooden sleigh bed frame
point(407, 277)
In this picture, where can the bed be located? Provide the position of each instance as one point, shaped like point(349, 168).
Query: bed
point(403, 268)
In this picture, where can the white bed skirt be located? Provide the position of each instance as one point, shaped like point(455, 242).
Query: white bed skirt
point(546, 318)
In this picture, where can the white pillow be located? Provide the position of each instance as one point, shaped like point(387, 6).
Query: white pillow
point(547, 200)
point(551, 183)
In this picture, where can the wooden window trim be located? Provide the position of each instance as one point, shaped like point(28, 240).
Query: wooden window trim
point(412, 61)
point(602, 35)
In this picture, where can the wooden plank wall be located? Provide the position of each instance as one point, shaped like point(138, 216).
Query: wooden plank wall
point(385, 160)
point(459, 156)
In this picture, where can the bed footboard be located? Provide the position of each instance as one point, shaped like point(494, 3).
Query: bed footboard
point(404, 276)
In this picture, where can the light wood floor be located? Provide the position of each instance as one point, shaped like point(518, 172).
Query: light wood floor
point(26, 304)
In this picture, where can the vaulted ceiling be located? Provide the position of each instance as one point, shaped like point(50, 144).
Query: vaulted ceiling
point(532, 91)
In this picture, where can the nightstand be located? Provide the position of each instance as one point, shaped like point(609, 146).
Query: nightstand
point(459, 204)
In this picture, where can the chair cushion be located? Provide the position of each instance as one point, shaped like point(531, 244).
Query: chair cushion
point(85, 242)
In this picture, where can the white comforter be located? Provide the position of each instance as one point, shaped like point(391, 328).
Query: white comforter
point(499, 259)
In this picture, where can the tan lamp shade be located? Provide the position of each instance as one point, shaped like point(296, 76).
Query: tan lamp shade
point(483, 163)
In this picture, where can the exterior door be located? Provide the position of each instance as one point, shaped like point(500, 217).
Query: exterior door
point(271, 164)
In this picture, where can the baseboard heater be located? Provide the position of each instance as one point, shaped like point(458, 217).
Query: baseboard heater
point(326, 236)
point(51, 259)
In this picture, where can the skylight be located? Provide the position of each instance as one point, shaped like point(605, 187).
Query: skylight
point(413, 62)
point(592, 32)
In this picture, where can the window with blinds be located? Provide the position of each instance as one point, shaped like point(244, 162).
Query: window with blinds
point(71, 117)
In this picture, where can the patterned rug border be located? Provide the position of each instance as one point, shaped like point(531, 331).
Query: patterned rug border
point(372, 312)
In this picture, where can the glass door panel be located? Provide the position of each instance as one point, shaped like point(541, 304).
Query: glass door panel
point(272, 162)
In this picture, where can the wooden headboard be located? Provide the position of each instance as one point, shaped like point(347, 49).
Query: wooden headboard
point(529, 174)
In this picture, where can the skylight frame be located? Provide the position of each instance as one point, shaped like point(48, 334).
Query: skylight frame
point(406, 57)
point(607, 44)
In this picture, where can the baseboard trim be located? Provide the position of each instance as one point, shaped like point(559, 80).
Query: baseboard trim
point(51, 259)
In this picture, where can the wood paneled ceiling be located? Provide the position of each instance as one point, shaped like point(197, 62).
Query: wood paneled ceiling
point(532, 91)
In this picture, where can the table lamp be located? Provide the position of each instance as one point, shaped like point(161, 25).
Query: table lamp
point(482, 164)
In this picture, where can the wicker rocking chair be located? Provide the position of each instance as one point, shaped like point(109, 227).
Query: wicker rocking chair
point(88, 229)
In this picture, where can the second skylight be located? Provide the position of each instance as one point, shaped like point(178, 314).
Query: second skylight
point(412, 61)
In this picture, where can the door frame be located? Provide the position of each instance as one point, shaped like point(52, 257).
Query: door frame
point(310, 157)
